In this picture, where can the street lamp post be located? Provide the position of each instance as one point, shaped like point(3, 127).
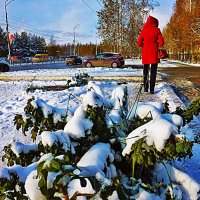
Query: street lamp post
point(7, 31)
point(75, 27)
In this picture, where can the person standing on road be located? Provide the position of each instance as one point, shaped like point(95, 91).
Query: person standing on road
point(150, 40)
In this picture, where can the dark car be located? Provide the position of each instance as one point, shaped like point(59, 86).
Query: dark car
point(4, 66)
point(107, 59)
point(74, 60)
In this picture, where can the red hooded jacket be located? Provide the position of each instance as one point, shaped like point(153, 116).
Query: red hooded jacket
point(150, 39)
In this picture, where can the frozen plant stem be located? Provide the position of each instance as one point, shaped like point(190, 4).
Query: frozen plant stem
point(134, 159)
point(65, 193)
point(167, 172)
point(170, 185)
point(135, 102)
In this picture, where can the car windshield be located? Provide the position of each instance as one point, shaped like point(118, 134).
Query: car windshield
point(72, 57)
point(107, 55)
point(99, 56)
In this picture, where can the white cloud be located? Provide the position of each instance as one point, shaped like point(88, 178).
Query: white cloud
point(78, 13)
point(163, 12)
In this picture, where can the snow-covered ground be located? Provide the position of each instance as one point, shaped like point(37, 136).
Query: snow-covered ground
point(97, 71)
point(13, 99)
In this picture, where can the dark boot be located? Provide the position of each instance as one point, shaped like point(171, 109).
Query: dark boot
point(153, 77)
point(146, 77)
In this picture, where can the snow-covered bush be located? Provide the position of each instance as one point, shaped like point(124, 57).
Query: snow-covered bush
point(21, 154)
point(102, 152)
point(79, 79)
point(155, 140)
point(192, 110)
point(40, 117)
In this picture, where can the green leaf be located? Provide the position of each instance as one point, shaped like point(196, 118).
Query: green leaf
point(40, 167)
point(2, 197)
point(34, 134)
point(146, 147)
point(150, 162)
point(179, 147)
point(55, 164)
point(42, 183)
point(140, 159)
point(66, 158)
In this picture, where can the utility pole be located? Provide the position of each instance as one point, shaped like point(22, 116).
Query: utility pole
point(7, 31)
point(120, 25)
point(96, 47)
point(75, 27)
point(190, 5)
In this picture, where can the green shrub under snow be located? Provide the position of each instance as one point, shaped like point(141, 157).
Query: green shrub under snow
point(58, 160)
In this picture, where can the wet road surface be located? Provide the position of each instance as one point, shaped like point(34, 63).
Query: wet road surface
point(185, 80)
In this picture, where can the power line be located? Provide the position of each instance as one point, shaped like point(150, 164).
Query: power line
point(89, 6)
point(30, 29)
point(44, 35)
point(99, 3)
point(27, 24)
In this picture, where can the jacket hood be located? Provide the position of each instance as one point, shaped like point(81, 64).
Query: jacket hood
point(151, 22)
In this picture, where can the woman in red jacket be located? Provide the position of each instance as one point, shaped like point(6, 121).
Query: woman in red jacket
point(150, 40)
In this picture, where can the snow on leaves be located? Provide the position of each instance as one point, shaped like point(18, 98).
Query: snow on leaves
point(77, 157)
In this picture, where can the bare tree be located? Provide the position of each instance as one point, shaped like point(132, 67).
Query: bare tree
point(120, 21)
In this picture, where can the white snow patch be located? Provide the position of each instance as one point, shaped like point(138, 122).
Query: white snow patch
point(75, 186)
point(157, 131)
point(190, 186)
point(97, 156)
point(18, 148)
point(31, 186)
point(58, 138)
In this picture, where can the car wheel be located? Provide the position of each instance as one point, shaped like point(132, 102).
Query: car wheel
point(89, 64)
point(114, 65)
point(1, 68)
point(4, 68)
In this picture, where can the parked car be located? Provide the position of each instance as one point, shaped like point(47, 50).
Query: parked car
point(15, 59)
point(107, 59)
point(74, 60)
point(4, 66)
point(40, 58)
point(84, 58)
point(27, 59)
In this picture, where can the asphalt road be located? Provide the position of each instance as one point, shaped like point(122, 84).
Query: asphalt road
point(185, 79)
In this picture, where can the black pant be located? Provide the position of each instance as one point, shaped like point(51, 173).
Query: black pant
point(152, 76)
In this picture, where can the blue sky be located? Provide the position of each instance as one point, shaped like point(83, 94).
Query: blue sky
point(59, 17)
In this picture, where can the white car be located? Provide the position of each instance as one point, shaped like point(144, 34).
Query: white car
point(4, 66)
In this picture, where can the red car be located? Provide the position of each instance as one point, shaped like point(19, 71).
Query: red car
point(107, 59)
